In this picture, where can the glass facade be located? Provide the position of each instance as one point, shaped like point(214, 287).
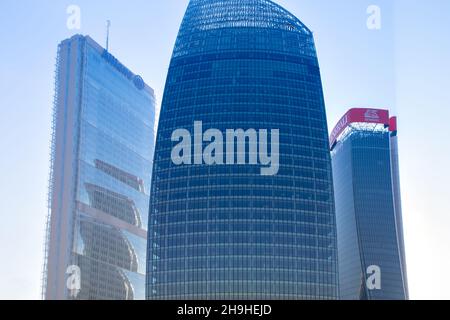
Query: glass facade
point(101, 168)
point(368, 214)
point(226, 231)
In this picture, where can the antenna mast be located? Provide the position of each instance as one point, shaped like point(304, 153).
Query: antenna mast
point(108, 25)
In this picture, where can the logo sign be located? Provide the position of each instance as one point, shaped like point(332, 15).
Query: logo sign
point(372, 115)
point(137, 80)
point(359, 115)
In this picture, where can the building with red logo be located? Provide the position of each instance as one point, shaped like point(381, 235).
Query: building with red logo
point(371, 254)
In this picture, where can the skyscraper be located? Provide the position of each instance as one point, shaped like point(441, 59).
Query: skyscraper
point(235, 231)
point(102, 151)
point(368, 207)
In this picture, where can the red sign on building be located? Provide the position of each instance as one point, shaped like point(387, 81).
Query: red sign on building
point(361, 115)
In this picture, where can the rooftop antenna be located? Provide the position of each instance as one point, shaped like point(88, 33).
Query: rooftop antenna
point(108, 25)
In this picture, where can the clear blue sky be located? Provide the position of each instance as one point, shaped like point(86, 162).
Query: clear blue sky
point(405, 66)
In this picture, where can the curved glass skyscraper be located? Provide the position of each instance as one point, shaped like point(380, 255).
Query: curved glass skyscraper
point(224, 230)
point(101, 160)
point(372, 263)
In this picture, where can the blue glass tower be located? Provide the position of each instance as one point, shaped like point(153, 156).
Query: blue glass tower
point(371, 251)
point(226, 231)
point(102, 151)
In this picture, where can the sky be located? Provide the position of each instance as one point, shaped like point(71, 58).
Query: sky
point(403, 66)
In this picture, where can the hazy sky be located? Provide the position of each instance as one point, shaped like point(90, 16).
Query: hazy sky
point(404, 66)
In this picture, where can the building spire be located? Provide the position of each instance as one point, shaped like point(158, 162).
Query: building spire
point(108, 25)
